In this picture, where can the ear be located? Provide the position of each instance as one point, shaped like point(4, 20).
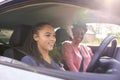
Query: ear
point(35, 37)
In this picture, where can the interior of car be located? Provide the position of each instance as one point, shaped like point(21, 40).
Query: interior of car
point(62, 13)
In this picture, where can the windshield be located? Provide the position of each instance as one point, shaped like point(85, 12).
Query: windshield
point(98, 31)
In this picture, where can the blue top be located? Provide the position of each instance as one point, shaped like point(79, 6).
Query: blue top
point(30, 61)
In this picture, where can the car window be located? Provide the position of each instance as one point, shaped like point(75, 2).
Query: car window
point(5, 34)
point(98, 31)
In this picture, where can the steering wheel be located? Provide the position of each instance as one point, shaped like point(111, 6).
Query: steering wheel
point(100, 52)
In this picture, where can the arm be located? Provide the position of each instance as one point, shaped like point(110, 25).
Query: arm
point(67, 52)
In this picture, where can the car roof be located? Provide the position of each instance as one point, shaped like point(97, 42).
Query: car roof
point(58, 12)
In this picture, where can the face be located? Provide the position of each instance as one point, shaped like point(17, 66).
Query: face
point(45, 38)
point(78, 34)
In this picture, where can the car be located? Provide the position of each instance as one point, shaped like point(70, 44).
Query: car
point(101, 17)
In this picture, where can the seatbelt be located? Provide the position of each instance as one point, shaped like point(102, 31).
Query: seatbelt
point(82, 62)
point(19, 50)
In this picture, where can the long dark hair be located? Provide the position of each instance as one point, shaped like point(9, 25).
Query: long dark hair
point(31, 45)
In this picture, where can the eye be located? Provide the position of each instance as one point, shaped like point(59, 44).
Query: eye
point(54, 35)
point(48, 35)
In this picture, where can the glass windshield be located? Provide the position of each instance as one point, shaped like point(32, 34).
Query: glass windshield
point(98, 31)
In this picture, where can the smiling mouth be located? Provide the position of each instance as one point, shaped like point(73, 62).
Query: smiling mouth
point(79, 39)
point(51, 44)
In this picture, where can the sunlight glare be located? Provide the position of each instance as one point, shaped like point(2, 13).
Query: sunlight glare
point(2, 0)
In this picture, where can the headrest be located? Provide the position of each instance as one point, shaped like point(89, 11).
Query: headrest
point(61, 35)
point(19, 35)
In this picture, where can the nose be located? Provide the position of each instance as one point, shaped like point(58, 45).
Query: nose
point(81, 35)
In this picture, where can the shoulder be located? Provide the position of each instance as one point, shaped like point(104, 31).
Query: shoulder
point(67, 43)
point(29, 60)
point(67, 47)
point(26, 57)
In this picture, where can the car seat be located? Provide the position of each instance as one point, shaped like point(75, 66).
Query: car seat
point(61, 36)
point(16, 41)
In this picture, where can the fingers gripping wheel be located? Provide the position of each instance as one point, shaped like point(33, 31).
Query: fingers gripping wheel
point(101, 50)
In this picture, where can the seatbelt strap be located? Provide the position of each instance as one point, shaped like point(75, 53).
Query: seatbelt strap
point(19, 50)
point(82, 62)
